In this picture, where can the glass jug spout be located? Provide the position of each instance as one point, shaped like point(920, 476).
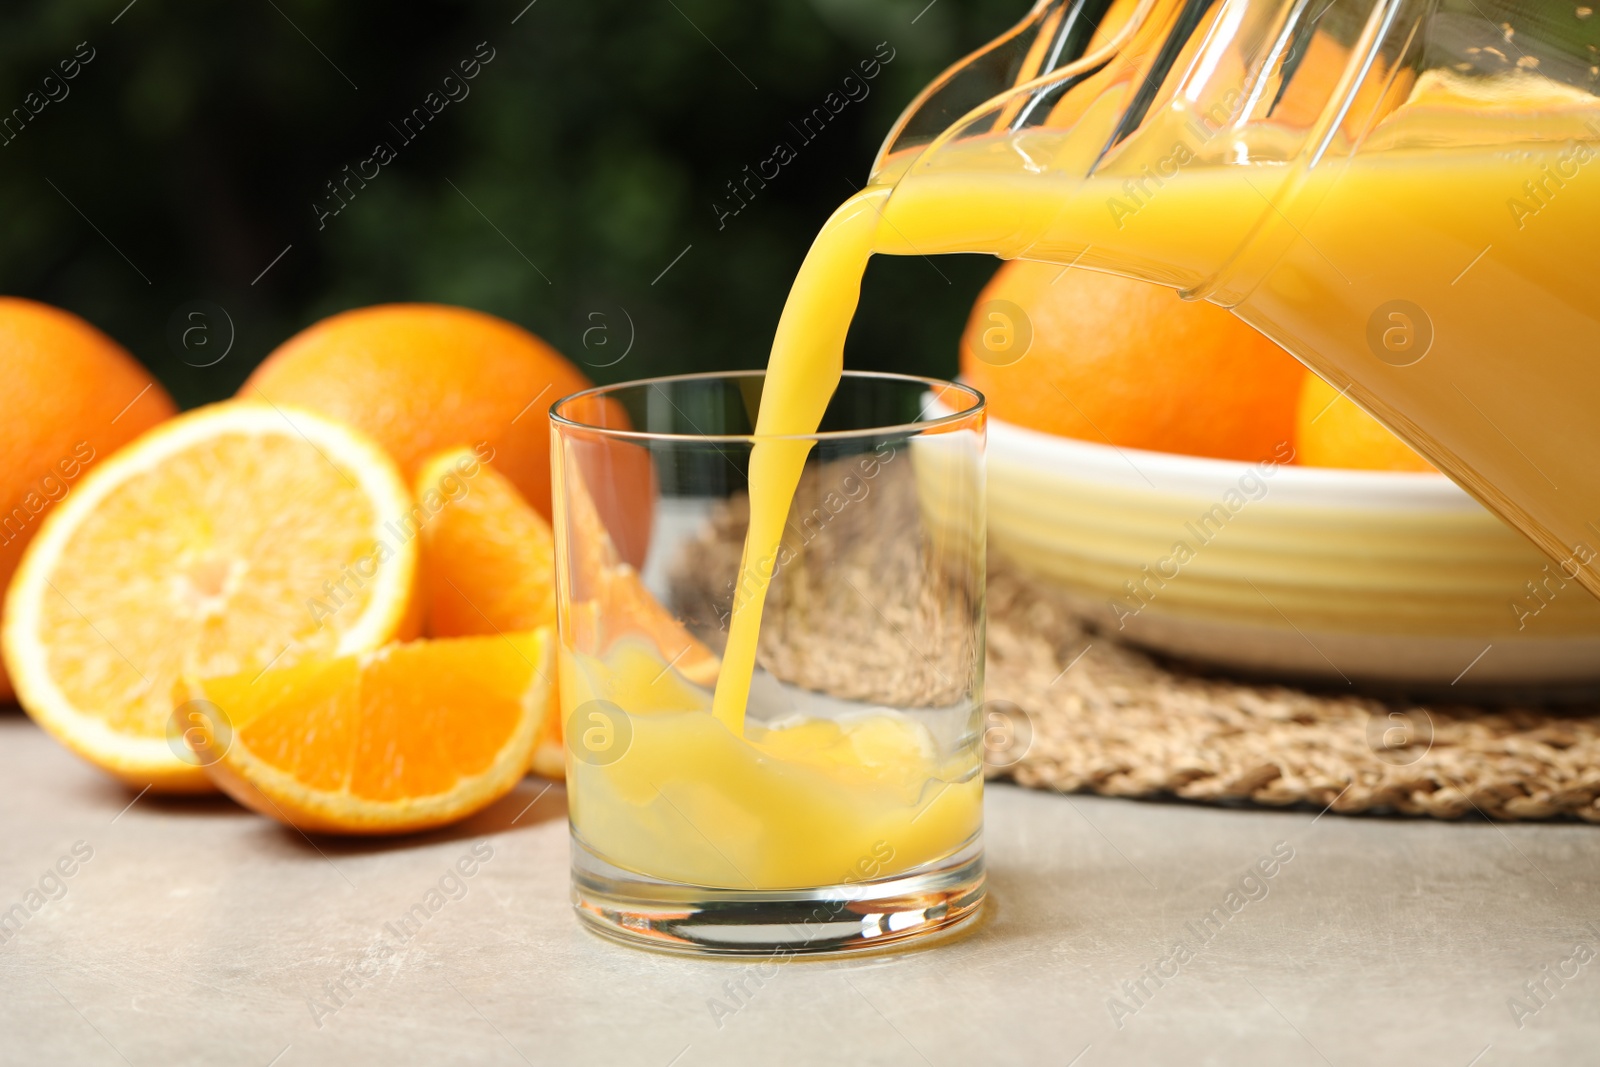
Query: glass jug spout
point(1401, 193)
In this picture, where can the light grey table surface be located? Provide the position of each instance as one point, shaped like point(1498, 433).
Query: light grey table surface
point(199, 933)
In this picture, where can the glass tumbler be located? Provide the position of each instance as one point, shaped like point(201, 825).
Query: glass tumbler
point(843, 808)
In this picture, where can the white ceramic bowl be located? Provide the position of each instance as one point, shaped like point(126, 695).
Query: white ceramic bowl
point(1286, 570)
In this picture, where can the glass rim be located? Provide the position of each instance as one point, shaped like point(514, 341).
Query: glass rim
point(977, 410)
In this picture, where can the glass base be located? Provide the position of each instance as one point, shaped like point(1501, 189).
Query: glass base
point(849, 917)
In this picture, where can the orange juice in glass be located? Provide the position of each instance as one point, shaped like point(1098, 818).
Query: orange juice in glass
point(818, 787)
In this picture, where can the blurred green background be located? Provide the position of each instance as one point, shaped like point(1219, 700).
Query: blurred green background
point(194, 146)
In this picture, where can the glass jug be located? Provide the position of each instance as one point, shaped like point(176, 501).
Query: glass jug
point(1404, 194)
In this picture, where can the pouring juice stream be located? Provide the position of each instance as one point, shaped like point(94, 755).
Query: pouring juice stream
point(1506, 404)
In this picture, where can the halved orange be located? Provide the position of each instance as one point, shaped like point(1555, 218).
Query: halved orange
point(233, 538)
point(405, 738)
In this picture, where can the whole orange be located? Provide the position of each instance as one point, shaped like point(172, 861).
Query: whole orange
point(1109, 359)
point(71, 396)
point(424, 378)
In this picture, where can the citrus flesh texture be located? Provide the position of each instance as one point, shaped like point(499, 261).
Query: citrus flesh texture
point(405, 738)
point(490, 566)
point(490, 557)
point(233, 538)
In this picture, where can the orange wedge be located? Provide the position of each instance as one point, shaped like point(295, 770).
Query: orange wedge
point(490, 558)
point(233, 538)
point(489, 565)
point(611, 601)
point(408, 737)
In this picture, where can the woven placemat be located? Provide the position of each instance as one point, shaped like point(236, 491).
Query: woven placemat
point(1108, 718)
point(1081, 711)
